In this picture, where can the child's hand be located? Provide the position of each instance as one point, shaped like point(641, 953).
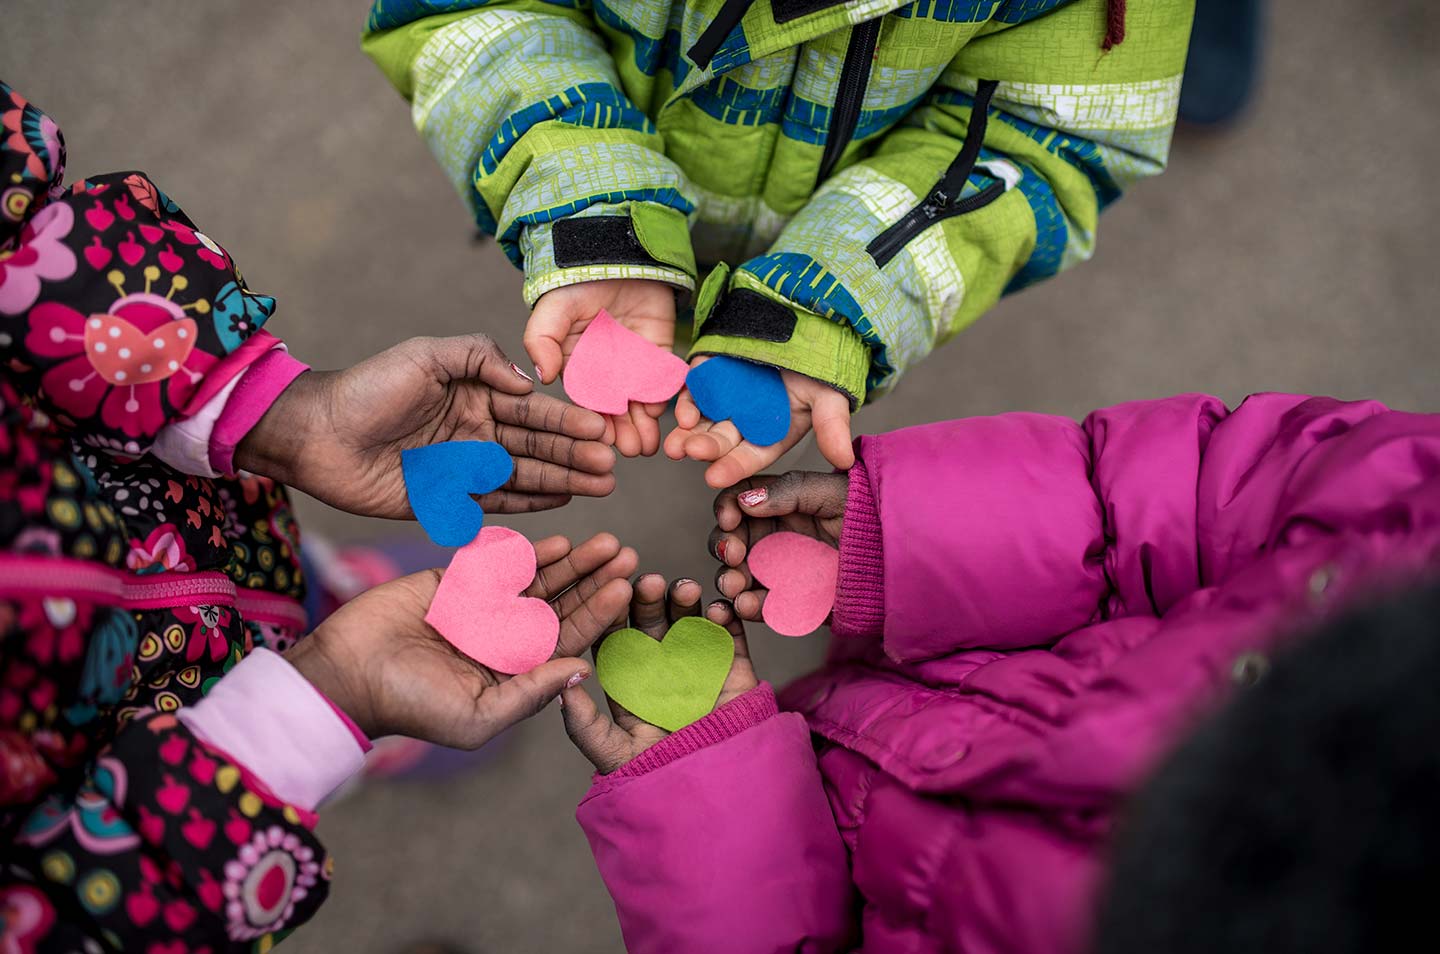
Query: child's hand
point(812, 404)
point(381, 663)
point(337, 435)
point(610, 744)
point(560, 316)
point(800, 502)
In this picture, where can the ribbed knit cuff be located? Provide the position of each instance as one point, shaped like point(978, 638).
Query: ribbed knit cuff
point(734, 717)
point(262, 383)
point(860, 591)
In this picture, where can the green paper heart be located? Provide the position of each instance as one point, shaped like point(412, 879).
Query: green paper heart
point(672, 682)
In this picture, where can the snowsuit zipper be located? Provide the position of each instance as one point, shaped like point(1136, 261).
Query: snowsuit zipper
point(942, 202)
point(854, 77)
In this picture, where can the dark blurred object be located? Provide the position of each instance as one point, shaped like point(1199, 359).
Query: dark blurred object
point(1224, 61)
point(432, 947)
point(1306, 816)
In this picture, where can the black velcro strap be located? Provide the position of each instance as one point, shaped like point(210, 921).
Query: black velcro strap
point(598, 240)
point(747, 314)
point(786, 10)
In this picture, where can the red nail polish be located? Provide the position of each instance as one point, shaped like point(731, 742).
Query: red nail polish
point(539, 373)
point(754, 498)
point(720, 550)
point(516, 368)
point(576, 679)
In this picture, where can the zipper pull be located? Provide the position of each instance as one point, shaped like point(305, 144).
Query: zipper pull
point(935, 203)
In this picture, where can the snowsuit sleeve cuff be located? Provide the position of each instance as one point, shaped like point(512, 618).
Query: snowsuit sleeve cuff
point(262, 383)
point(734, 717)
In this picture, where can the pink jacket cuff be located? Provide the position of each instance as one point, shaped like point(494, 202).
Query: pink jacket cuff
point(860, 591)
point(734, 717)
point(262, 383)
point(267, 717)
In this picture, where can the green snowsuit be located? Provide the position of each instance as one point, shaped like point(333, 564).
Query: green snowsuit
point(807, 152)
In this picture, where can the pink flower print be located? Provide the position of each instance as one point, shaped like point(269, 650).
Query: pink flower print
point(26, 917)
point(41, 255)
point(208, 633)
point(271, 872)
point(119, 361)
point(164, 549)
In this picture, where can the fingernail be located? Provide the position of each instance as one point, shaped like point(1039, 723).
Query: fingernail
point(516, 368)
point(720, 550)
point(576, 679)
point(754, 498)
point(538, 373)
point(561, 700)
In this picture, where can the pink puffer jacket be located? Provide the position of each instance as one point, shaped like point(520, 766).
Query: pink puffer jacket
point(1031, 613)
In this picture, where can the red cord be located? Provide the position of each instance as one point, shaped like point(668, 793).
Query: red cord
point(1114, 25)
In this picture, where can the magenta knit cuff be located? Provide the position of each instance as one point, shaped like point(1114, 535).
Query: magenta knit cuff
point(860, 592)
point(734, 717)
point(261, 384)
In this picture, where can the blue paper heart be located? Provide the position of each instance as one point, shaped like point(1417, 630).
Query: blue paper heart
point(752, 395)
point(439, 480)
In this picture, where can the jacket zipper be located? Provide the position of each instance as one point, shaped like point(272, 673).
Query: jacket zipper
point(854, 77)
point(23, 574)
point(942, 202)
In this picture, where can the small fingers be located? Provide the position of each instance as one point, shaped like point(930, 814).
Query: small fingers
point(713, 442)
point(687, 415)
point(732, 581)
point(547, 328)
point(683, 599)
point(627, 438)
point(750, 603)
point(644, 418)
point(745, 461)
point(647, 609)
point(830, 416)
point(618, 567)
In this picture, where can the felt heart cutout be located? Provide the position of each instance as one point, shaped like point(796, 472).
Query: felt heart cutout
point(439, 480)
point(672, 682)
point(612, 366)
point(479, 611)
point(752, 395)
point(800, 573)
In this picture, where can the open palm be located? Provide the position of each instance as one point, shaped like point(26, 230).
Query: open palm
point(379, 660)
point(338, 435)
point(561, 317)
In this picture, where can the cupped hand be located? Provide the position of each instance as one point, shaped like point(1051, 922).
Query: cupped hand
point(384, 666)
point(801, 502)
point(562, 315)
point(337, 435)
point(813, 404)
point(611, 741)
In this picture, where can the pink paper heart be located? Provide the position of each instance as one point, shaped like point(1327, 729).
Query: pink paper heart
point(801, 573)
point(477, 606)
point(612, 366)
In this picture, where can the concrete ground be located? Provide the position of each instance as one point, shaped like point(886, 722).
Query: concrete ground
point(1297, 252)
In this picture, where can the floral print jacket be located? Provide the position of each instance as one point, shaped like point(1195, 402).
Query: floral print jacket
point(133, 577)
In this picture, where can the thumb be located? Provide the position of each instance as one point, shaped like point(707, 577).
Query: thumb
point(470, 358)
point(546, 330)
point(598, 738)
point(520, 697)
point(830, 416)
point(799, 491)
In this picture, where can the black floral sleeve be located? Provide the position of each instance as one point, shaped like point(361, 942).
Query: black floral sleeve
point(117, 314)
